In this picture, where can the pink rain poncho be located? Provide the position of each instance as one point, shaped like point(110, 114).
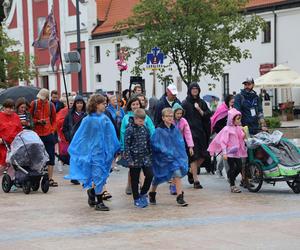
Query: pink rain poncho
point(220, 113)
point(230, 140)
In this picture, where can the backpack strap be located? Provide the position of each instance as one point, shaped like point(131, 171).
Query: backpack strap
point(35, 109)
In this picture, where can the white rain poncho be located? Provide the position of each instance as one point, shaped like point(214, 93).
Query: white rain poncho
point(28, 150)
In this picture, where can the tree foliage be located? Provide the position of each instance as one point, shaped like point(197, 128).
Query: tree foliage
point(14, 65)
point(199, 36)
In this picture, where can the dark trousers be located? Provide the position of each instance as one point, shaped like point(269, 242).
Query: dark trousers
point(235, 167)
point(135, 178)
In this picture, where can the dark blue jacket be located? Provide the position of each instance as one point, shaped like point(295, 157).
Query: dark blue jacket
point(245, 102)
point(163, 103)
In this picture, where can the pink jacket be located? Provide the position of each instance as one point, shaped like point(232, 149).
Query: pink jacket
point(185, 130)
point(230, 140)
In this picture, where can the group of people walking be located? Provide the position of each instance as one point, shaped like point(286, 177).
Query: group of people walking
point(162, 144)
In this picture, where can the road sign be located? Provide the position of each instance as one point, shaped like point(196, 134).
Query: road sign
point(155, 60)
point(72, 62)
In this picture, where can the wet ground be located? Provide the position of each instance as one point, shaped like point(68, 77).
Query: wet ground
point(214, 219)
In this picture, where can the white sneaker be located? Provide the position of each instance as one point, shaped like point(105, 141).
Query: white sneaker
point(220, 174)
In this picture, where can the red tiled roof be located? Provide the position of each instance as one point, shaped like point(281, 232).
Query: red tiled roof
point(109, 12)
point(260, 3)
point(116, 10)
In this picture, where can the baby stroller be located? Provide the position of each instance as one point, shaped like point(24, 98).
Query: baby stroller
point(26, 157)
point(272, 158)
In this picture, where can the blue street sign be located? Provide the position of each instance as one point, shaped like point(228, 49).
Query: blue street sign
point(155, 59)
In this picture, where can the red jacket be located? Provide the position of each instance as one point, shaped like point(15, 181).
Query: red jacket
point(10, 126)
point(42, 112)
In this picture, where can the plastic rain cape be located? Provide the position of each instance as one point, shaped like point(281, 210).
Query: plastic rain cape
point(169, 154)
point(28, 150)
point(92, 151)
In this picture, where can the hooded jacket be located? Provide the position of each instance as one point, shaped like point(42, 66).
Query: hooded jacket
point(199, 125)
point(183, 127)
point(70, 127)
point(230, 140)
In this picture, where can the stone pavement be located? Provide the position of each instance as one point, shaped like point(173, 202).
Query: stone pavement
point(215, 219)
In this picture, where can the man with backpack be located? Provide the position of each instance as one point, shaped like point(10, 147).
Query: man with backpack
point(44, 118)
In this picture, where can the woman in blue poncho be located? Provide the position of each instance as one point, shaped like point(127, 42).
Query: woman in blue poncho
point(169, 156)
point(92, 151)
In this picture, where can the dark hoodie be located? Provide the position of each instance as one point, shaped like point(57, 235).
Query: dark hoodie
point(72, 123)
point(200, 125)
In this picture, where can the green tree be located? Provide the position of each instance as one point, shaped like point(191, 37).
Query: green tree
point(200, 37)
point(14, 65)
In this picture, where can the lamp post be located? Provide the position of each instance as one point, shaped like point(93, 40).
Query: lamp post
point(78, 45)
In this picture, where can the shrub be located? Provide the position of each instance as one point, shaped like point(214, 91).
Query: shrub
point(273, 122)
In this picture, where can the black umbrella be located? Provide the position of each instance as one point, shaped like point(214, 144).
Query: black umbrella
point(28, 92)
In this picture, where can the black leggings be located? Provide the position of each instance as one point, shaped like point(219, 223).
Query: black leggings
point(235, 167)
point(135, 179)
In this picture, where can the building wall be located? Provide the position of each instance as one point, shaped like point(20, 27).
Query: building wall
point(288, 38)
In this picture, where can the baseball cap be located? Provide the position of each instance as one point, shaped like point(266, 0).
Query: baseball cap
point(172, 88)
point(249, 79)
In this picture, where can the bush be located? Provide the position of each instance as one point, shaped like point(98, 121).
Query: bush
point(273, 122)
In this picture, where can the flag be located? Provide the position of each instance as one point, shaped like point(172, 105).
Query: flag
point(48, 39)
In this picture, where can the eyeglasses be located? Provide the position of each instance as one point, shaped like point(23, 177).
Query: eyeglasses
point(170, 116)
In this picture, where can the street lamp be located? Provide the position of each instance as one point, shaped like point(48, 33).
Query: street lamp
point(78, 45)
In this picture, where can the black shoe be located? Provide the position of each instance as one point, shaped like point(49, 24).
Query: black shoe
point(101, 207)
point(181, 201)
point(152, 199)
point(91, 197)
point(190, 177)
point(197, 185)
point(75, 182)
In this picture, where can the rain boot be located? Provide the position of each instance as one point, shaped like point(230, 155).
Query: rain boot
point(152, 199)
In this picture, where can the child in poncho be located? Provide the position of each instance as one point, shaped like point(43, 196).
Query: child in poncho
point(92, 151)
point(230, 142)
point(169, 156)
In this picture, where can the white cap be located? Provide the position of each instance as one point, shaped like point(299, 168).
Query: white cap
point(172, 88)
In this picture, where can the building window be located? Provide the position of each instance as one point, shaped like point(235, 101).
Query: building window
point(117, 51)
point(225, 85)
point(267, 33)
point(98, 78)
point(41, 21)
point(97, 54)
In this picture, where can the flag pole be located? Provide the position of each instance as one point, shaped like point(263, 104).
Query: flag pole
point(63, 73)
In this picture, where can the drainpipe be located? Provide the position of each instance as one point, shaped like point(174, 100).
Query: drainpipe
point(275, 53)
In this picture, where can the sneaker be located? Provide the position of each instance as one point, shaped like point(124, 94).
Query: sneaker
point(172, 188)
point(180, 201)
point(91, 197)
point(139, 203)
point(128, 190)
point(59, 167)
point(144, 199)
point(197, 185)
point(235, 189)
point(75, 182)
point(152, 199)
point(190, 177)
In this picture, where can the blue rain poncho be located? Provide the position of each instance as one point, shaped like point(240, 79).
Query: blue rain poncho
point(92, 151)
point(169, 153)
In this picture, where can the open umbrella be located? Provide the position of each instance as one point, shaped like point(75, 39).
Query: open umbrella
point(28, 92)
point(210, 98)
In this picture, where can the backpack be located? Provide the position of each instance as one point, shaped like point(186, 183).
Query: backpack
point(35, 109)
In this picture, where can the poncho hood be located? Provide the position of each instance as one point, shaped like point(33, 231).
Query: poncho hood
point(232, 113)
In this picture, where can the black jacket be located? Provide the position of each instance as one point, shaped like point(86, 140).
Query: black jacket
point(163, 103)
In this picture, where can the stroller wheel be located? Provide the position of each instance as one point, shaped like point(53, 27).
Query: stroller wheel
point(26, 187)
point(6, 183)
point(255, 177)
point(296, 186)
point(35, 185)
point(45, 184)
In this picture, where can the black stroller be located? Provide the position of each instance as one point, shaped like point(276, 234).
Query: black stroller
point(27, 158)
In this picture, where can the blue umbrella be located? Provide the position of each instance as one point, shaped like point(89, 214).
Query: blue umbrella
point(210, 98)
